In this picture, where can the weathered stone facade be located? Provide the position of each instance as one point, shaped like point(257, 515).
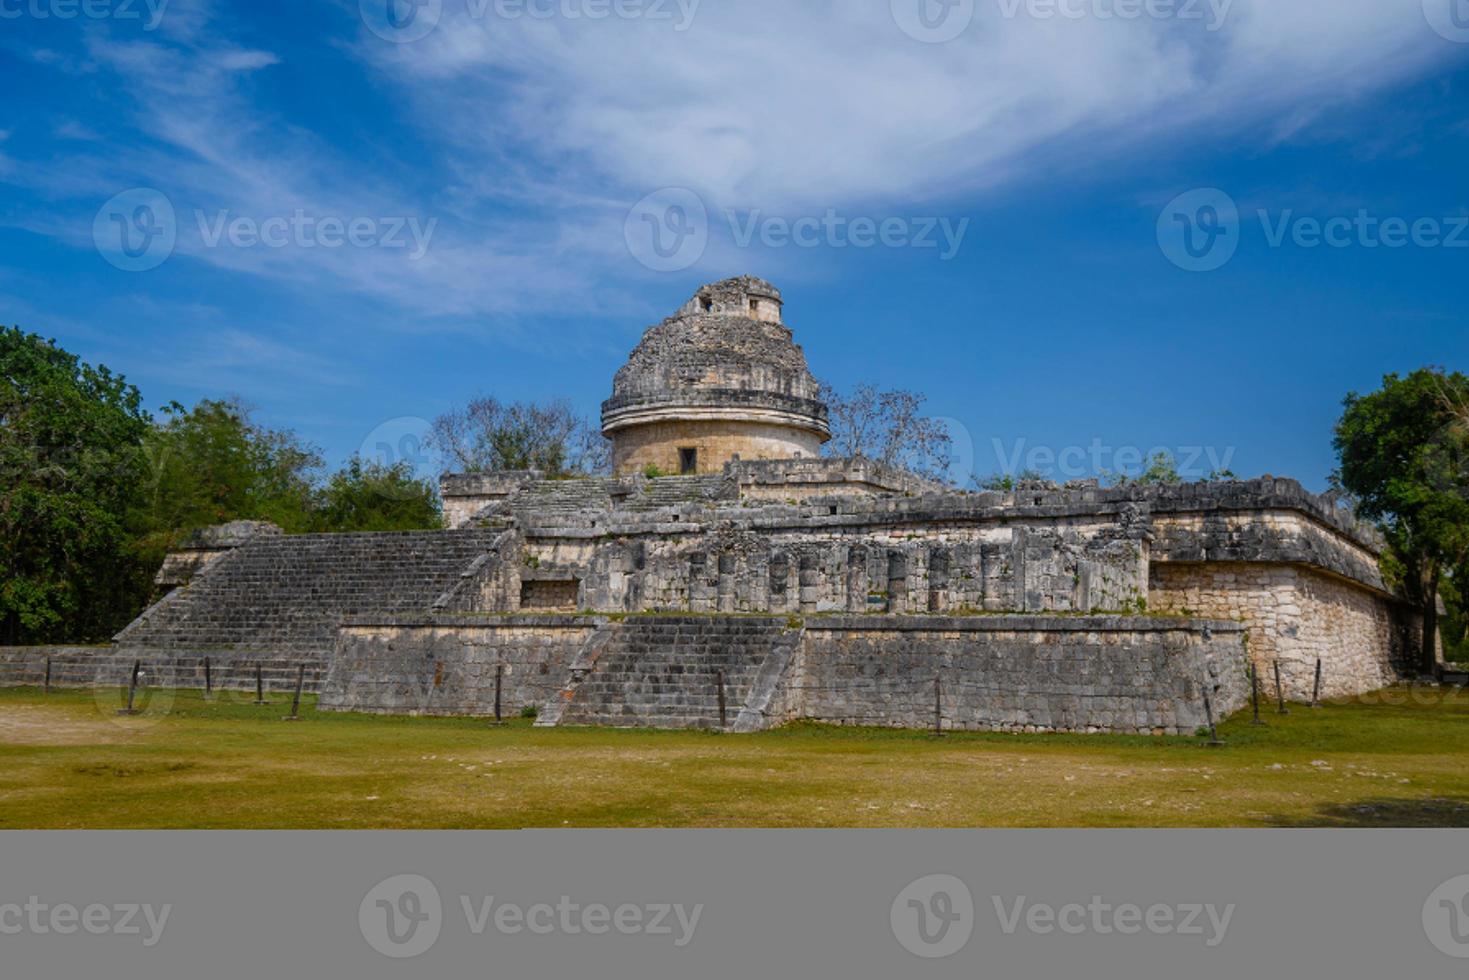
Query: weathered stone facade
point(830, 589)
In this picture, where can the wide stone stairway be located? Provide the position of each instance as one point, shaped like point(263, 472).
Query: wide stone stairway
point(665, 672)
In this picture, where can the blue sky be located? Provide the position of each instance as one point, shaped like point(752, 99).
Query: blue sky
point(1072, 149)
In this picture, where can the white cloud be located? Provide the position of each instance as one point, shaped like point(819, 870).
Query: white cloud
point(543, 133)
point(778, 104)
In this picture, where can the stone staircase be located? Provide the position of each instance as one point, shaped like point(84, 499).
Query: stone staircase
point(277, 601)
point(664, 671)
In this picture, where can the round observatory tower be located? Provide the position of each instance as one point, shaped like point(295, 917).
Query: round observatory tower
point(718, 379)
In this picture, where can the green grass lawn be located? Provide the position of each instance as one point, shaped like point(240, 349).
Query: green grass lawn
point(68, 760)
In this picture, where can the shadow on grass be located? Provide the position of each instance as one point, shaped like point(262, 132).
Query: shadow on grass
point(1385, 812)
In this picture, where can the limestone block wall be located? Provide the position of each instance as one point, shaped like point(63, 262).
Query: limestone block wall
point(1295, 614)
point(444, 665)
point(1008, 673)
point(71, 666)
point(1019, 673)
point(716, 440)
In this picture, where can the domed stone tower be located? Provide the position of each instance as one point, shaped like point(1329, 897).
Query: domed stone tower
point(719, 378)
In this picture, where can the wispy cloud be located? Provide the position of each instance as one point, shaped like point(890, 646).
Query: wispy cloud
point(543, 133)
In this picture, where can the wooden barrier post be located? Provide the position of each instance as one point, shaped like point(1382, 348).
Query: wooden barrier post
point(719, 679)
point(1280, 692)
point(47, 689)
point(1214, 740)
point(208, 678)
point(133, 689)
point(938, 706)
point(499, 687)
point(1255, 693)
point(1316, 690)
point(295, 714)
point(260, 685)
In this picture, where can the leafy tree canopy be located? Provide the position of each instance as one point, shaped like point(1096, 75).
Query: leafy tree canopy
point(70, 469)
point(1404, 454)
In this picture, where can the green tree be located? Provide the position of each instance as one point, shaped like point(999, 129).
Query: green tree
point(213, 463)
point(1403, 451)
point(71, 467)
point(368, 496)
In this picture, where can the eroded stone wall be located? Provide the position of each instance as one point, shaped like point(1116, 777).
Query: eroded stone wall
point(446, 666)
point(1294, 615)
point(1021, 673)
point(1061, 566)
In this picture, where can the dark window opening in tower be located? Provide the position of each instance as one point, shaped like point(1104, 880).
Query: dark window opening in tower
point(688, 461)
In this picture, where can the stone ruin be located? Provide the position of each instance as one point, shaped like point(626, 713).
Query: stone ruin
point(765, 583)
